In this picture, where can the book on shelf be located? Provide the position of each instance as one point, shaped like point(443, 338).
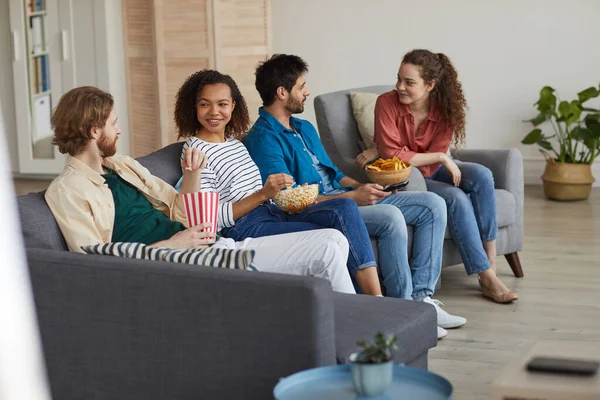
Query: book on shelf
point(41, 116)
point(45, 73)
point(37, 35)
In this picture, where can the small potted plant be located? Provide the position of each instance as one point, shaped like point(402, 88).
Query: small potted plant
point(372, 367)
point(573, 147)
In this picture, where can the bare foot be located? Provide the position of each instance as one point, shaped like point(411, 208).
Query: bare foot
point(492, 283)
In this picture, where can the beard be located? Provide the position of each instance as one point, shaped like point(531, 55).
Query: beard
point(294, 107)
point(107, 148)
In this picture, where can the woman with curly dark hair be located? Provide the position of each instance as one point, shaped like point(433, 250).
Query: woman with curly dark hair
point(212, 114)
point(417, 122)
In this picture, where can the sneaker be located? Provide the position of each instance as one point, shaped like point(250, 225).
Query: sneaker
point(445, 320)
point(441, 332)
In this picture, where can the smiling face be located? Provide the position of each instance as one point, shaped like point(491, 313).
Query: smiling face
point(108, 136)
point(410, 85)
point(297, 97)
point(214, 108)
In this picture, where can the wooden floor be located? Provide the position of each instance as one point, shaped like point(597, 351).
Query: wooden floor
point(559, 295)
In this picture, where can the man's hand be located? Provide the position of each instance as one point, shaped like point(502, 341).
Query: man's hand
point(366, 157)
point(274, 184)
point(193, 160)
point(451, 166)
point(368, 194)
point(192, 238)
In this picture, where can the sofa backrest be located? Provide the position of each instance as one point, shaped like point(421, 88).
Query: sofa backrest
point(165, 163)
point(338, 129)
point(38, 225)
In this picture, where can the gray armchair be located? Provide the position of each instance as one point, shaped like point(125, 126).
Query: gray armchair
point(340, 136)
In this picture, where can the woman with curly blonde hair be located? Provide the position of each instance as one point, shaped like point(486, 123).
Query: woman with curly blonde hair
point(418, 122)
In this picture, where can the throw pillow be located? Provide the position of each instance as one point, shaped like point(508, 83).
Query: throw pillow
point(363, 108)
point(208, 257)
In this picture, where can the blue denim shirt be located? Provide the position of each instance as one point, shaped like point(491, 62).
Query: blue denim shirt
point(276, 149)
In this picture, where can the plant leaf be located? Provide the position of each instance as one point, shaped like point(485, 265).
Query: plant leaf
point(587, 94)
point(532, 137)
point(544, 144)
point(547, 102)
point(541, 118)
point(575, 108)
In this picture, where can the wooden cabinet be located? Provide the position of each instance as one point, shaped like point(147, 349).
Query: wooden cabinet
point(168, 40)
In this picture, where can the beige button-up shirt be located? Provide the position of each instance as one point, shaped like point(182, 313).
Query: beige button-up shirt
point(83, 204)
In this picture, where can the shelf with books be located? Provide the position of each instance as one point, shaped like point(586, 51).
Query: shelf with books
point(38, 64)
point(42, 53)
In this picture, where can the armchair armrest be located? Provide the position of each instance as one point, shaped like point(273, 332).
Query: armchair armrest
point(122, 328)
point(507, 167)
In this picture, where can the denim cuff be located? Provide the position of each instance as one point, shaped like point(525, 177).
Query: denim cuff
point(366, 265)
point(422, 294)
point(477, 270)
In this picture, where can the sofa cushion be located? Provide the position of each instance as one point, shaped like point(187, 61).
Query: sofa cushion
point(164, 163)
point(363, 108)
point(206, 257)
point(414, 323)
point(38, 225)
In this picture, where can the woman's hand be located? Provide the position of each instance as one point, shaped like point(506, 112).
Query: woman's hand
point(366, 157)
point(275, 183)
point(193, 160)
point(451, 166)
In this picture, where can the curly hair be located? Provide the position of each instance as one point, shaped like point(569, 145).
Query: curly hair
point(77, 113)
point(187, 100)
point(447, 93)
point(279, 70)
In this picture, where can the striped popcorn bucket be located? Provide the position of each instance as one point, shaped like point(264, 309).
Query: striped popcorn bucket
point(201, 207)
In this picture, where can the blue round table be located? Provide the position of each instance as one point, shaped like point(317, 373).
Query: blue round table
point(335, 382)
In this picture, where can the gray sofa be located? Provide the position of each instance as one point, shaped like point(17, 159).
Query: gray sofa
point(117, 328)
point(340, 136)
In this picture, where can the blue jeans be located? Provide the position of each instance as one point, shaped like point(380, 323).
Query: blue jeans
point(341, 214)
point(386, 221)
point(471, 211)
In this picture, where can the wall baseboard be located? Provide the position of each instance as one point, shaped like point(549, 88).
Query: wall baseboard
point(533, 168)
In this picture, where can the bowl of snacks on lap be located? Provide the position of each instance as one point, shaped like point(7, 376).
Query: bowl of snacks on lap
point(389, 171)
point(294, 200)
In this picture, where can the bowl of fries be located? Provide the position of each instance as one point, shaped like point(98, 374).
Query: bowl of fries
point(388, 171)
point(295, 199)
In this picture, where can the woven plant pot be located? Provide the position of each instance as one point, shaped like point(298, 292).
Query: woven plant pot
point(567, 182)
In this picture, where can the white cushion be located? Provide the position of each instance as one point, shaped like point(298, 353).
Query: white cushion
point(363, 108)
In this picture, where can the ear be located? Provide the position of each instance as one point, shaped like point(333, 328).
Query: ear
point(282, 93)
point(95, 133)
point(430, 85)
point(232, 106)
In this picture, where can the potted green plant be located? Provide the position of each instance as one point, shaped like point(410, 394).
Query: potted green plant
point(372, 367)
point(568, 172)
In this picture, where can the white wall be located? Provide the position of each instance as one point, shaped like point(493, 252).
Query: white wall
point(99, 58)
point(505, 52)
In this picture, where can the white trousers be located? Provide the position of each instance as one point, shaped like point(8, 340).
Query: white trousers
point(322, 253)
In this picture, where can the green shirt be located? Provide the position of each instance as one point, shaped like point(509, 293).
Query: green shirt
point(135, 218)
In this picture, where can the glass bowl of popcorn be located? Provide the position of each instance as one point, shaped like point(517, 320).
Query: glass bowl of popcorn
point(294, 200)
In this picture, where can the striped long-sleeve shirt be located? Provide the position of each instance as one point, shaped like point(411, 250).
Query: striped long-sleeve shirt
point(229, 171)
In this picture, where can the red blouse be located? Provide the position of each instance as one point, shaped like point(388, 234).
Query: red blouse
point(395, 132)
